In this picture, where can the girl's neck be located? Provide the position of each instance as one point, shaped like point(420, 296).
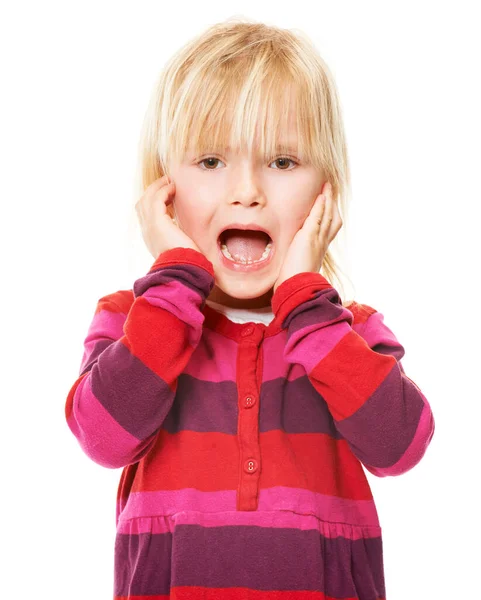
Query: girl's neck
point(220, 297)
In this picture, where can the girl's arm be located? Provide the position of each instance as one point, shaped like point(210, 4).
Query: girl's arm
point(380, 412)
point(134, 352)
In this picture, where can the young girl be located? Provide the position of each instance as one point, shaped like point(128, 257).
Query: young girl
point(241, 397)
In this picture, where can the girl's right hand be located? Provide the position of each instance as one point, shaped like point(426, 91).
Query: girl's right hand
point(159, 231)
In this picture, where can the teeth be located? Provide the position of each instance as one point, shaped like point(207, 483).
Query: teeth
point(237, 258)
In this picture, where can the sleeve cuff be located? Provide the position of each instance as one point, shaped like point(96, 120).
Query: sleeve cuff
point(294, 291)
point(180, 255)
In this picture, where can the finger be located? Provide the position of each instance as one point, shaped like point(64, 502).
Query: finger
point(156, 185)
point(162, 198)
point(326, 221)
point(314, 219)
point(325, 213)
point(324, 216)
point(333, 221)
point(321, 206)
point(336, 222)
point(152, 189)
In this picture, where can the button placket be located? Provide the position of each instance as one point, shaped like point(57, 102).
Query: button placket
point(250, 340)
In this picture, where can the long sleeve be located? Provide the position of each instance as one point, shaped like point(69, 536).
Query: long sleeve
point(380, 412)
point(133, 355)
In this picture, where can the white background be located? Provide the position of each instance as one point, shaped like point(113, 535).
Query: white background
point(76, 78)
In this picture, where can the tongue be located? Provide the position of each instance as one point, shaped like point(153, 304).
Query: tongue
point(248, 245)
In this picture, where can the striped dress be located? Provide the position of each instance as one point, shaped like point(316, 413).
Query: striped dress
point(242, 445)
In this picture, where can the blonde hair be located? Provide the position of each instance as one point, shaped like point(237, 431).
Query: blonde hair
point(237, 73)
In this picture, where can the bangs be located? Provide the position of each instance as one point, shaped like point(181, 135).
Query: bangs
point(259, 114)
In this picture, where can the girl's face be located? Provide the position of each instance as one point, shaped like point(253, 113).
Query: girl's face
point(213, 194)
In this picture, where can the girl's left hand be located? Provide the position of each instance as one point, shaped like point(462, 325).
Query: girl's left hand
point(309, 245)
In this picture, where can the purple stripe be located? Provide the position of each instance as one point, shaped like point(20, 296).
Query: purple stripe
point(323, 309)
point(397, 352)
point(295, 407)
point(290, 406)
point(417, 448)
point(100, 436)
point(90, 358)
point(190, 276)
point(386, 423)
point(203, 406)
point(253, 557)
point(134, 396)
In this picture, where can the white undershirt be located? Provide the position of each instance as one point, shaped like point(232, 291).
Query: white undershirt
point(244, 315)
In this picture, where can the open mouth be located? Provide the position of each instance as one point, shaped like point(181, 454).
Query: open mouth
point(245, 246)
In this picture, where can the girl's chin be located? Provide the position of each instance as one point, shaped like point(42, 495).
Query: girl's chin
point(243, 294)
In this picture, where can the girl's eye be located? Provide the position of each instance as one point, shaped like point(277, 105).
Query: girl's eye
point(209, 158)
point(284, 159)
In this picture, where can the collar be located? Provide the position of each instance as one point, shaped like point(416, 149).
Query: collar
point(220, 322)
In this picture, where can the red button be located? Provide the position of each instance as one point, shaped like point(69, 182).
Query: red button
point(249, 401)
point(247, 330)
point(251, 465)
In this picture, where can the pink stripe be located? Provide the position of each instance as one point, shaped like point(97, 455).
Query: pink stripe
point(360, 513)
point(416, 449)
point(275, 369)
point(202, 367)
point(267, 519)
point(316, 346)
point(375, 331)
point(104, 325)
point(99, 435)
point(182, 302)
